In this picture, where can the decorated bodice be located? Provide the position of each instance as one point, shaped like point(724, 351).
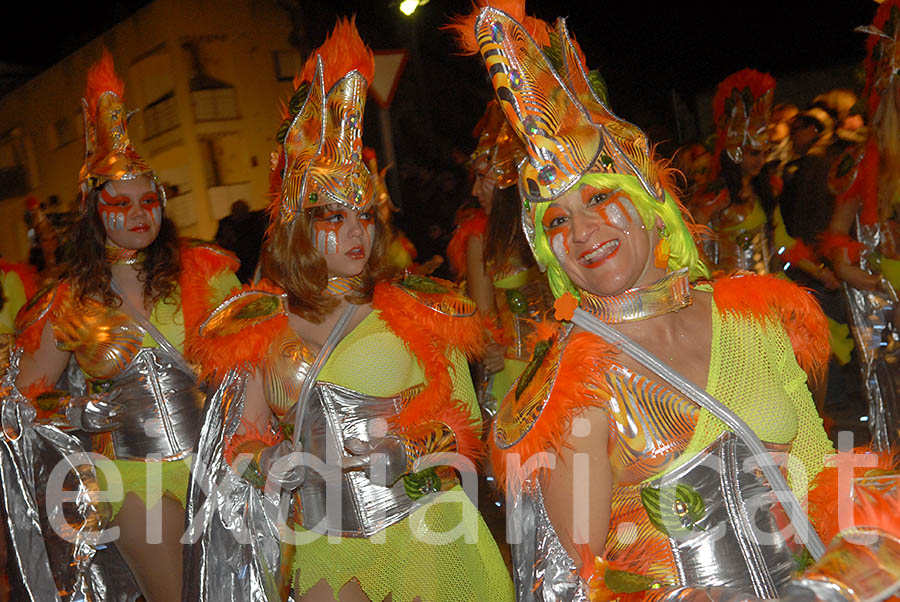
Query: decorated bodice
point(650, 425)
point(523, 298)
point(103, 339)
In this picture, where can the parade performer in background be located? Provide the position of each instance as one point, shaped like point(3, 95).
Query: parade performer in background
point(861, 242)
point(624, 481)
point(489, 251)
point(330, 356)
point(736, 203)
point(121, 308)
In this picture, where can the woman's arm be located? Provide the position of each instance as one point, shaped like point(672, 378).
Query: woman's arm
point(578, 491)
point(481, 289)
point(47, 363)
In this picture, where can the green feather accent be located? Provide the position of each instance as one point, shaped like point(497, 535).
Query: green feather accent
point(598, 85)
point(676, 515)
point(420, 484)
point(623, 582)
point(257, 308)
point(541, 349)
point(298, 99)
point(422, 284)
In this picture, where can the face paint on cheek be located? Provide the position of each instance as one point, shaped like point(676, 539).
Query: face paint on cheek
point(618, 214)
point(560, 246)
point(326, 236)
point(156, 215)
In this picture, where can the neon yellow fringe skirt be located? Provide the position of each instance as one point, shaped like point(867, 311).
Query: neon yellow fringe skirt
point(442, 552)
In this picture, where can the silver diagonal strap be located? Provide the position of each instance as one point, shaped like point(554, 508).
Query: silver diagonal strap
point(158, 336)
point(334, 337)
point(786, 497)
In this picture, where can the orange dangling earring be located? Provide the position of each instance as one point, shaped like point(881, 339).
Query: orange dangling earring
point(661, 252)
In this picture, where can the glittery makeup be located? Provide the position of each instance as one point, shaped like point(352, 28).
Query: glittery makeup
point(325, 231)
point(112, 208)
point(560, 246)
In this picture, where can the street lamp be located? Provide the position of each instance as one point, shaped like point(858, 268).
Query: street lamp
point(408, 7)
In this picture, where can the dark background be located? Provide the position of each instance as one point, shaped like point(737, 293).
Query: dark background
point(647, 52)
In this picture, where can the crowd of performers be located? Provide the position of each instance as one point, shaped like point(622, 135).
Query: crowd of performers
point(642, 398)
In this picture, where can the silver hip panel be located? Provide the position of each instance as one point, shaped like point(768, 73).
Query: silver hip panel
point(340, 503)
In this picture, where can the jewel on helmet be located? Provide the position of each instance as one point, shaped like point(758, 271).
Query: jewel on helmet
point(497, 32)
point(547, 175)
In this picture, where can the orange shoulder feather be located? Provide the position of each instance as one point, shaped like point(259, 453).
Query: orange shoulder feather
point(579, 384)
point(239, 332)
point(767, 297)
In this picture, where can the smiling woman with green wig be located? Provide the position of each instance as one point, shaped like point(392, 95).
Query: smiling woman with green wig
point(591, 444)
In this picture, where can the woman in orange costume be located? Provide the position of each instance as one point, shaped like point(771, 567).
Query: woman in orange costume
point(622, 485)
point(736, 202)
point(329, 356)
point(126, 299)
point(489, 251)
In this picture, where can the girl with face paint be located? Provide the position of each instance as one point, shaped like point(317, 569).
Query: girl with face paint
point(393, 374)
point(127, 297)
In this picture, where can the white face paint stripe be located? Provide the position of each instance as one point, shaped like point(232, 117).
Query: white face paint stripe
point(320, 241)
point(331, 245)
point(156, 213)
point(559, 246)
point(370, 230)
point(110, 189)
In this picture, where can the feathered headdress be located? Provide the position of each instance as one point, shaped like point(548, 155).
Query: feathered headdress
point(321, 159)
point(108, 153)
point(555, 107)
point(882, 52)
point(741, 109)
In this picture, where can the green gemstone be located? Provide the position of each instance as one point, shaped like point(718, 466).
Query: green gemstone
point(313, 197)
point(518, 303)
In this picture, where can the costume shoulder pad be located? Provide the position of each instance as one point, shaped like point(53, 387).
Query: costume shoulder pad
point(566, 375)
point(201, 257)
point(433, 305)
point(238, 333)
point(31, 318)
point(770, 298)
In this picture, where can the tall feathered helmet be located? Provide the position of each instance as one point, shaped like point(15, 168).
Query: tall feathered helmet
point(742, 106)
point(498, 149)
point(321, 160)
point(554, 104)
point(108, 152)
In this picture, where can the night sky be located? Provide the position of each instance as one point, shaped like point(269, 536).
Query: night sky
point(644, 50)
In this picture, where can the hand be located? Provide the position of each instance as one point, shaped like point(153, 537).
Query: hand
point(494, 357)
point(96, 413)
point(827, 277)
point(855, 277)
point(280, 465)
point(384, 459)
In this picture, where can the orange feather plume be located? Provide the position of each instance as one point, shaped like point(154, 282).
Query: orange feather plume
point(824, 492)
point(764, 298)
point(463, 26)
point(342, 52)
point(102, 78)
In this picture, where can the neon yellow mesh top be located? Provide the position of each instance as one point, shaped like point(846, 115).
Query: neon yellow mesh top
point(373, 360)
point(754, 372)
